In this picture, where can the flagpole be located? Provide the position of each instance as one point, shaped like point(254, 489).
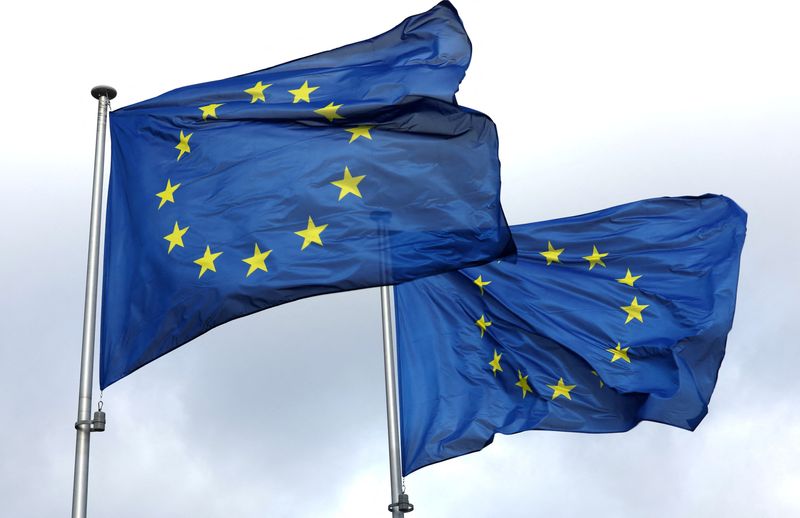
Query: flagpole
point(84, 425)
point(400, 502)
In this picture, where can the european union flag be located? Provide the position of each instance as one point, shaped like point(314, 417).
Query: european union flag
point(606, 319)
point(343, 170)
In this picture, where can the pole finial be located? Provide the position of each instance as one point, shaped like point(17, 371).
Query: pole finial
point(102, 90)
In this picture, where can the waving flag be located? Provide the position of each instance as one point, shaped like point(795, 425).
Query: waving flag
point(605, 320)
point(344, 170)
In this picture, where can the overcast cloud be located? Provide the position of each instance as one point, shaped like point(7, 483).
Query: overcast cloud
point(281, 414)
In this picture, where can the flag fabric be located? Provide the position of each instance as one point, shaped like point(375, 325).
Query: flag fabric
point(605, 320)
point(343, 170)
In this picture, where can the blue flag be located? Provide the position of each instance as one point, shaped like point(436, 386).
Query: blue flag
point(343, 170)
point(605, 320)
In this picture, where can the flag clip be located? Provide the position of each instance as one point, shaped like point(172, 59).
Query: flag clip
point(97, 423)
point(404, 506)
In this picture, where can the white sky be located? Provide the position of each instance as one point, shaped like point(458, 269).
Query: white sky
point(282, 414)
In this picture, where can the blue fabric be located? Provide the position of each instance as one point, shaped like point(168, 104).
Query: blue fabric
point(252, 171)
point(558, 322)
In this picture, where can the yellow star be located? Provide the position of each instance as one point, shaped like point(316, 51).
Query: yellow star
point(210, 110)
point(483, 324)
point(523, 384)
point(301, 94)
point(166, 194)
point(551, 254)
point(481, 283)
point(629, 279)
point(175, 237)
point(359, 131)
point(619, 352)
point(349, 184)
point(329, 112)
point(183, 145)
point(257, 91)
point(596, 258)
point(634, 310)
point(207, 261)
point(561, 390)
point(311, 234)
point(495, 363)
point(601, 381)
point(256, 262)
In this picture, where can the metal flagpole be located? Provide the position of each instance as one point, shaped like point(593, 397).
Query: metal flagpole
point(85, 424)
point(400, 502)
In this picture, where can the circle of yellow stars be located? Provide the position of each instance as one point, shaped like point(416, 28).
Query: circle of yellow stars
point(348, 184)
point(559, 388)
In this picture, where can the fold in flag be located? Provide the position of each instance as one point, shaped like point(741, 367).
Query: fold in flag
point(347, 169)
point(605, 320)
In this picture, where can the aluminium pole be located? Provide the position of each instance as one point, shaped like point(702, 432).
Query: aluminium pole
point(400, 502)
point(83, 426)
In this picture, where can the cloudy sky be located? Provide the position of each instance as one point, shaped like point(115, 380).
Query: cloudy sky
point(597, 104)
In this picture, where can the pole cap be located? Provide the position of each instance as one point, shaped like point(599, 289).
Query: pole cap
point(101, 90)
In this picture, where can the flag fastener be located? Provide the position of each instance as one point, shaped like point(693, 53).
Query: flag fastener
point(97, 423)
point(403, 505)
